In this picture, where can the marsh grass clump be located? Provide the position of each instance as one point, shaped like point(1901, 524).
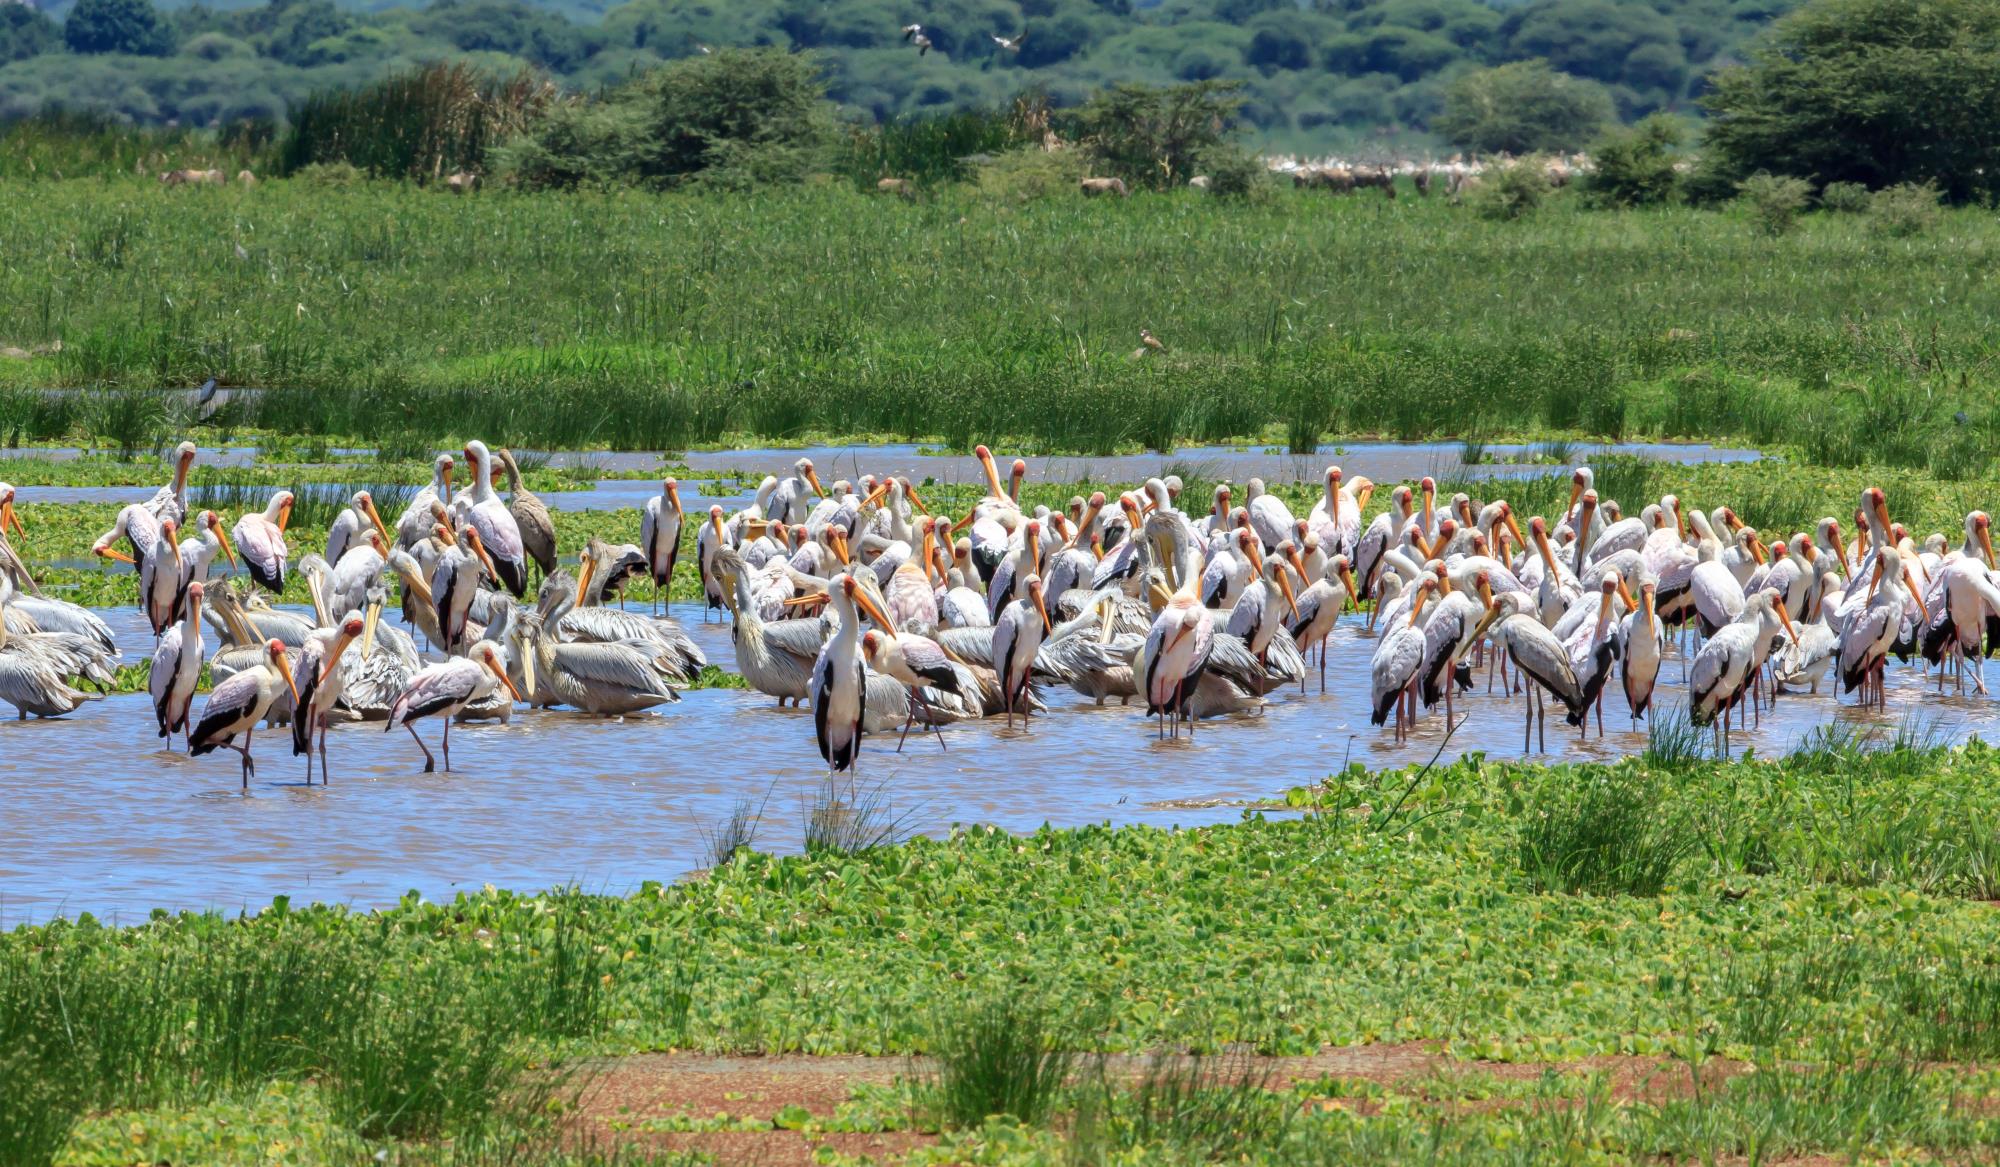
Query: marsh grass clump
point(736, 832)
point(1004, 1054)
point(845, 819)
point(1599, 831)
point(1673, 741)
point(1181, 1108)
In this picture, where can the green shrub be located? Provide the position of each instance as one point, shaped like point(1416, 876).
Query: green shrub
point(1029, 173)
point(1509, 192)
point(331, 175)
point(1774, 202)
point(1521, 107)
point(1844, 197)
point(1234, 172)
point(1904, 210)
point(1635, 167)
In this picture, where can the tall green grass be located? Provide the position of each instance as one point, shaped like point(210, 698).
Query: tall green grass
point(641, 320)
point(61, 145)
point(423, 124)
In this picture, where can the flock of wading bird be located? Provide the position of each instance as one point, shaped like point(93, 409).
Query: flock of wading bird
point(1200, 614)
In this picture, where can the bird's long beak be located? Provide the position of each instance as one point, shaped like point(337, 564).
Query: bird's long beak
point(372, 618)
point(1625, 594)
point(867, 604)
point(528, 671)
point(472, 540)
point(174, 545)
point(375, 516)
point(1353, 590)
point(916, 500)
point(340, 645)
point(9, 517)
point(501, 674)
point(1603, 617)
point(1575, 492)
point(674, 497)
point(1986, 544)
point(1875, 580)
point(113, 553)
point(1048, 625)
point(1297, 561)
point(840, 546)
point(222, 537)
point(1548, 553)
point(1758, 553)
point(284, 515)
point(285, 671)
point(875, 496)
point(1362, 496)
point(801, 601)
point(1486, 594)
point(715, 521)
point(812, 480)
point(1291, 597)
point(1255, 550)
point(586, 567)
point(992, 472)
point(1730, 520)
point(1785, 618)
point(1648, 595)
point(1513, 527)
point(1417, 604)
point(1916, 593)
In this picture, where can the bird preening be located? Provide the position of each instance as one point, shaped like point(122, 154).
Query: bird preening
point(854, 598)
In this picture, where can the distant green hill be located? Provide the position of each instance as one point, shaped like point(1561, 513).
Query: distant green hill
point(1362, 76)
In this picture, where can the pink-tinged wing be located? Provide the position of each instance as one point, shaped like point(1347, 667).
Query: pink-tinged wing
point(497, 529)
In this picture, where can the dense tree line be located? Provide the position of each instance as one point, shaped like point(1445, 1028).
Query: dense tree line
point(1369, 74)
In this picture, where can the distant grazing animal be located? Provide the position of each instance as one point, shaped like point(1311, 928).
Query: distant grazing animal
point(1334, 178)
point(245, 178)
point(1198, 182)
point(896, 186)
point(191, 178)
point(1423, 180)
point(461, 182)
point(1092, 187)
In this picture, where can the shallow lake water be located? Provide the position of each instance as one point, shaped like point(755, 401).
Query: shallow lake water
point(101, 818)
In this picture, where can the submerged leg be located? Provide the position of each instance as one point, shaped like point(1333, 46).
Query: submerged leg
point(430, 763)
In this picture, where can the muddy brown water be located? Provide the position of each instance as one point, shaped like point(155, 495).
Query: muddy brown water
point(100, 817)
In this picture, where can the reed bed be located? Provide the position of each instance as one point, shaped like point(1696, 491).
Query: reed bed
point(645, 321)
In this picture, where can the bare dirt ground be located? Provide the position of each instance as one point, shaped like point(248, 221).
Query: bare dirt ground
point(627, 1092)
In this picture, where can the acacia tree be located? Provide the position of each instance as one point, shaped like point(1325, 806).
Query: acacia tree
point(1878, 92)
point(1157, 136)
point(1520, 108)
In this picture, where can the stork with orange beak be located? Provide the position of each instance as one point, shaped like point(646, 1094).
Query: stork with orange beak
point(839, 687)
point(1261, 611)
point(8, 516)
point(660, 539)
point(239, 703)
point(177, 668)
point(349, 525)
point(261, 538)
point(455, 583)
point(171, 501)
point(1175, 655)
point(1017, 636)
point(710, 539)
point(160, 580)
point(136, 525)
point(1319, 609)
point(444, 689)
point(324, 664)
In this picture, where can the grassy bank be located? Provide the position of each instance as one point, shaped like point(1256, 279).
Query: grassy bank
point(1823, 917)
point(644, 322)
